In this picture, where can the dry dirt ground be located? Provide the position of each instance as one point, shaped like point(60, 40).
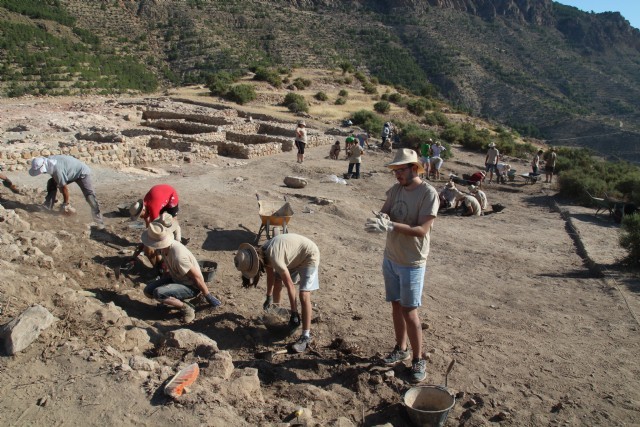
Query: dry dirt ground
point(539, 338)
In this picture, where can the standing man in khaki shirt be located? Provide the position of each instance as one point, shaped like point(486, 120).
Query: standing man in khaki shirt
point(407, 217)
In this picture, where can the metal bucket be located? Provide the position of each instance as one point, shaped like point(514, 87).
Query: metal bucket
point(429, 405)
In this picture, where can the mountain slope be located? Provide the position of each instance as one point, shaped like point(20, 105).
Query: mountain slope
point(546, 69)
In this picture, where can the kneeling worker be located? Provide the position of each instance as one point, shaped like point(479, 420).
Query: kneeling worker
point(285, 258)
point(183, 279)
point(160, 199)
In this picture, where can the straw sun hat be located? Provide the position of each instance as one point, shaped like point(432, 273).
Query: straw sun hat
point(247, 261)
point(136, 209)
point(157, 236)
point(406, 156)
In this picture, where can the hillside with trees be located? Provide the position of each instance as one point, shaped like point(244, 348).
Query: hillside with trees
point(547, 70)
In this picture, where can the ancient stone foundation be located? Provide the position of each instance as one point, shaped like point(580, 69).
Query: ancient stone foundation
point(171, 130)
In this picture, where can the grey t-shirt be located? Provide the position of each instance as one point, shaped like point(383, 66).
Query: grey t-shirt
point(68, 169)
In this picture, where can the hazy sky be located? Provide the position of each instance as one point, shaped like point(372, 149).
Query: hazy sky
point(630, 9)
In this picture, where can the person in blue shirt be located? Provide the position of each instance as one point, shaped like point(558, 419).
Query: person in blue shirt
point(65, 170)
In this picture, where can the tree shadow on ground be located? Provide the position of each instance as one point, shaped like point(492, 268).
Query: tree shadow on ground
point(227, 240)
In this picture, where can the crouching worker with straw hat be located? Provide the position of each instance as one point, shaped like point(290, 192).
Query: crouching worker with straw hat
point(406, 218)
point(285, 258)
point(182, 279)
point(160, 200)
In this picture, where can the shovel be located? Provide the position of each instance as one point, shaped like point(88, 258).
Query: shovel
point(269, 355)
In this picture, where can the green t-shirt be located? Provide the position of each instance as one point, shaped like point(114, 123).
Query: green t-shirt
point(424, 150)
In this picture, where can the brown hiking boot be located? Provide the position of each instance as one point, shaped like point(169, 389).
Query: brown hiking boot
point(188, 312)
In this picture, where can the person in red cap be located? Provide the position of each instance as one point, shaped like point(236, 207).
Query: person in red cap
point(160, 199)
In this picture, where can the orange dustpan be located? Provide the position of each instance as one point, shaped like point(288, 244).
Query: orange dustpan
point(182, 380)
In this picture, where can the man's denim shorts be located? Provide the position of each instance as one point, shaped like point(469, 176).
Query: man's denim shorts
point(403, 283)
point(165, 287)
point(306, 277)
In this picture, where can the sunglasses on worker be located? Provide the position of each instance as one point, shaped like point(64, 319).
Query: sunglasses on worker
point(401, 169)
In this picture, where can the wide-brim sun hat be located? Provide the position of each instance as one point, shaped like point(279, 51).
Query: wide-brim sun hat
point(405, 156)
point(37, 166)
point(136, 209)
point(247, 261)
point(450, 184)
point(492, 145)
point(157, 236)
point(301, 123)
point(167, 221)
point(472, 188)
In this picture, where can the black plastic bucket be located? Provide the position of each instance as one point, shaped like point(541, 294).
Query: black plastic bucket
point(208, 269)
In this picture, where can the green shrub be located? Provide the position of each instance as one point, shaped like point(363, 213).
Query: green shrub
point(301, 83)
point(241, 94)
point(321, 96)
point(418, 106)
point(382, 107)
point(348, 80)
point(412, 136)
point(575, 184)
point(361, 77)
point(346, 67)
point(452, 133)
point(441, 118)
point(341, 101)
point(369, 121)
point(370, 89)
point(268, 75)
point(219, 83)
point(295, 103)
point(343, 93)
point(630, 238)
point(396, 98)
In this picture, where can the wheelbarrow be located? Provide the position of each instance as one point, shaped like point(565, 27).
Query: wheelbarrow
point(273, 216)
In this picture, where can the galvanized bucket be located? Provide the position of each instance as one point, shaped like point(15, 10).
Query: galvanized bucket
point(429, 405)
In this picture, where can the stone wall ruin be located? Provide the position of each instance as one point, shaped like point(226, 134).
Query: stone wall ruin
point(169, 130)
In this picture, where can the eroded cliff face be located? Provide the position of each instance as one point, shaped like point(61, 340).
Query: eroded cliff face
point(533, 11)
